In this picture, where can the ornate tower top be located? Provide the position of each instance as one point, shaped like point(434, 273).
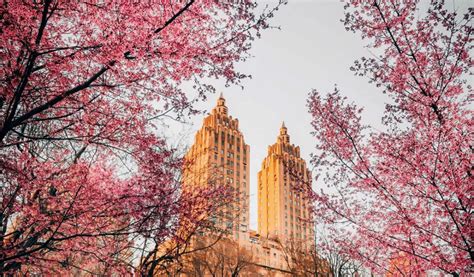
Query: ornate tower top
point(221, 108)
point(284, 137)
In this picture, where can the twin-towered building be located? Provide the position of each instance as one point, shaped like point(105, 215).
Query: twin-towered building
point(220, 155)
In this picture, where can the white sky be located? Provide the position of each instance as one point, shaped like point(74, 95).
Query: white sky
point(312, 50)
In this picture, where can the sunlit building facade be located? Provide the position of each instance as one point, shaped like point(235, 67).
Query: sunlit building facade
point(220, 156)
point(284, 182)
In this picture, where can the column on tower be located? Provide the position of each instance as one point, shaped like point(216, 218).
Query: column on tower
point(220, 156)
point(283, 193)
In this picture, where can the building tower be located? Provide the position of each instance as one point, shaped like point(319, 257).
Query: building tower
point(283, 184)
point(219, 156)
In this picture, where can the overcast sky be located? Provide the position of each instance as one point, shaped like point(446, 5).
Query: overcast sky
point(312, 50)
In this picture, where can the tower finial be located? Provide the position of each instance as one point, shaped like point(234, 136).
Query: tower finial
point(284, 137)
point(221, 107)
point(221, 100)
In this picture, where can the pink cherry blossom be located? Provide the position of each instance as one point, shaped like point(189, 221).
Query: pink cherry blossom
point(85, 172)
point(403, 194)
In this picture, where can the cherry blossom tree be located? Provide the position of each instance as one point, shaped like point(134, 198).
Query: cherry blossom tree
point(223, 258)
point(84, 167)
point(305, 261)
point(404, 190)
